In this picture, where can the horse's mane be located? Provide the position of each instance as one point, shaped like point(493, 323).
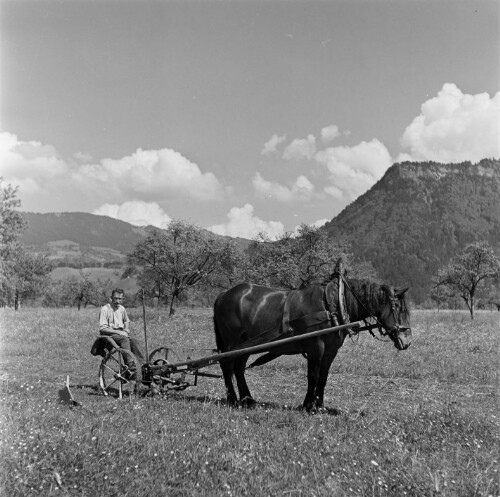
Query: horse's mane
point(372, 294)
point(371, 291)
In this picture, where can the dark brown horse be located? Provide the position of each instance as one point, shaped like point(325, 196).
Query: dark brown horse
point(248, 315)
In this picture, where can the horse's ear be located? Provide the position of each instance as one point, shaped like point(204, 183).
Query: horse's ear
point(399, 294)
point(339, 268)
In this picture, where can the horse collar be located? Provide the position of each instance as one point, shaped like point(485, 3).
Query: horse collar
point(336, 305)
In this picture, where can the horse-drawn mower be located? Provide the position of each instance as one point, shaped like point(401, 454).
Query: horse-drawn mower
point(251, 319)
point(120, 372)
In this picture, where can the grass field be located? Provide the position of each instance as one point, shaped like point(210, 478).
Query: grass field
point(416, 423)
point(93, 273)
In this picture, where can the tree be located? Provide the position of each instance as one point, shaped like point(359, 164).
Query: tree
point(233, 268)
point(295, 259)
point(468, 270)
point(22, 274)
point(12, 224)
point(440, 293)
point(80, 290)
point(27, 277)
point(153, 284)
point(178, 258)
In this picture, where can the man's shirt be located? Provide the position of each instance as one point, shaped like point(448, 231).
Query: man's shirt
point(110, 318)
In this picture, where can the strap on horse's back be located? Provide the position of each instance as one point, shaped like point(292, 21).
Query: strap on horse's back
point(285, 322)
point(334, 306)
point(337, 305)
point(334, 312)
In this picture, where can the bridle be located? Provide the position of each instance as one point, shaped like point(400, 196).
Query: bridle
point(393, 333)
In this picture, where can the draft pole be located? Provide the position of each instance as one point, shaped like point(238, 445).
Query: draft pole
point(145, 331)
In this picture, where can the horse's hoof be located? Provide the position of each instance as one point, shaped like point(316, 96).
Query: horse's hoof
point(247, 402)
point(232, 401)
point(309, 408)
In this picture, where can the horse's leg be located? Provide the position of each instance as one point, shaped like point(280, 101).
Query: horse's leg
point(239, 371)
point(227, 371)
point(326, 362)
point(332, 343)
point(314, 355)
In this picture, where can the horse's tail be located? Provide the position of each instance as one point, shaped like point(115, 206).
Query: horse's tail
point(218, 338)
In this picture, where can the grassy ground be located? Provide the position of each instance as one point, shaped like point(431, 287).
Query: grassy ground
point(418, 423)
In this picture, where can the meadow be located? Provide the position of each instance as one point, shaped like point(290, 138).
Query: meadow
point(421, 422)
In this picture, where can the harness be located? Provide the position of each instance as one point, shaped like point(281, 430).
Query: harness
point(370, 326)
point(334, 308)
point(333, 312)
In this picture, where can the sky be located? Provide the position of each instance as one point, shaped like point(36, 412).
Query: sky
point(239, 116)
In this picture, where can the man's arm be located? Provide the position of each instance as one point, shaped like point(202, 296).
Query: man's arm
point(105, 328)
point(126, 320)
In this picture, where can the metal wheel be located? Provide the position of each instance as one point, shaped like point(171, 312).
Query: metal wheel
point(163, 355)
point(119, 372)
point(171, 381)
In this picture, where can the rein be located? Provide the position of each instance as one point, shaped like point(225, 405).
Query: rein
point(368, 327)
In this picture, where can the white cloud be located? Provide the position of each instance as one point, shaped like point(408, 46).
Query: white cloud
point(353, 170)
point(454, 127)
point(83, 158)
point(31, 164)
point(242, 223)
point(320, 222)
point(29, 161)
point(300, 190)
point(157, 173)
point(272, 145)
point(53, 183)
point(301, 148)
point(329, 133)
point(137, 213)
point(316, 224)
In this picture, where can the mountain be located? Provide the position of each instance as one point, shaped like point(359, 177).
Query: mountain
point(84, 229)
point(80, 239)
point(419, 215)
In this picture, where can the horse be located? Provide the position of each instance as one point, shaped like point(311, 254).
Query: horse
point(250, 314)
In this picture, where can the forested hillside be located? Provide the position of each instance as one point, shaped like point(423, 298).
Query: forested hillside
point(79, 239)
point(87, 230)
point(419, 215)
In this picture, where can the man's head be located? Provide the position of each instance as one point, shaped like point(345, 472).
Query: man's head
point(117, 296)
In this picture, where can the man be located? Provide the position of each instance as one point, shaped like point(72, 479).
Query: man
point(114, 322)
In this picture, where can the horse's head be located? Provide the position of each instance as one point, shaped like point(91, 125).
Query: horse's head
point(395, 318)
